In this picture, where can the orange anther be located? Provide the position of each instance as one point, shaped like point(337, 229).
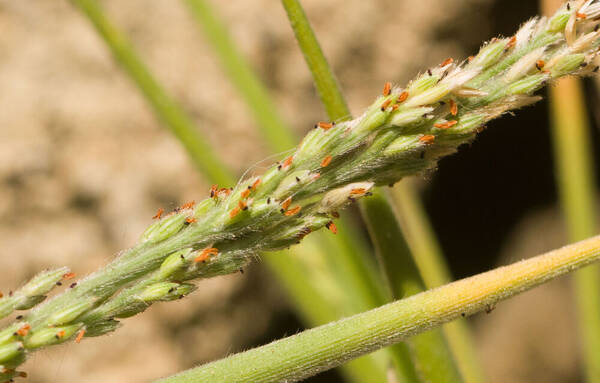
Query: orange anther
point(188, 205)
point(288, 161)
point(235, 211)
point(324, 125)
point(245, 193)
point(326, 161)
point(60, 334)
point(453, 108)
point(470, 58)
point(190, 220)
point(206, 254)
point(213, 191)
point(159, 213)
point(243, 205)
point(428, 139)
point(446, 125)
point(512, 42)
point(403, 96)
point(358, 191)
point(387, 88)
point(22, 374)
point(331, 226)
point(24, 330)
point(80, 336)
point(225, 191)
point(292, 211)
point(68, 276)
point(448, 61)
point(540, 64)
point(385, 104)
point(285, 204)
point(256, 183)
point(581, 15)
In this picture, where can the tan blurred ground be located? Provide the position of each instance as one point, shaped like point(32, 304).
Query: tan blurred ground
point(84, 164)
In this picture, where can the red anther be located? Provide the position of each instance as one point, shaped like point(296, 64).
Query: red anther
point(323, 125)
point(285, 204)
point(188, 205)
point(387, 88)
point(235, 211)
point(190, 220)
point(446, 125)
point(402, 97)
point(292, 211)
point(448, 61)
point(385, 104)
point(428, 139)
point(80, 336)
point(68, 276)
point(331, 226)
point(24, 330)
point(326, 161)
point(159, 213)
point(453, 108)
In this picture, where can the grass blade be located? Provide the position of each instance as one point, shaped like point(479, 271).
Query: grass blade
point(166, 109)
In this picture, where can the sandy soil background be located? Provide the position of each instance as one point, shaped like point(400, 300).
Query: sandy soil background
point(84, 165)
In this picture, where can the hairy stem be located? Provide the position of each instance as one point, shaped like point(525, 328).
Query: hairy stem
point(319, 349)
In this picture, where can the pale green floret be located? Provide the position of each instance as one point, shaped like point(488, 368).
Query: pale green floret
point(490, 54)
point(430, 96)
point(165, 291)
point(203, 207)
point(51, 335)
point(528, 84)
point(10, 351)
point(373, 118)
point(102, 327)
point(174, 263)
point(407, 117)
point(558, 22)
point(70, 313)
point(165, 228)
point(45, 281)
point(567, 64)
point(422, 84)
point(291, 183)
point(403, 145)
point(8, 334)
point(23, 302)
point(7, 306)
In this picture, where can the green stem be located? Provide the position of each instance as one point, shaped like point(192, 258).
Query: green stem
point(337, 109)
point(324, 79)
point(575, 175)
point(435, 272)
point(431, 355)
point(165, 108)
point(310, 352)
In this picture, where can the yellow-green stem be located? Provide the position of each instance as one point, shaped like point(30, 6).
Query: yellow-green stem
point(575, 179)
point(316, 350)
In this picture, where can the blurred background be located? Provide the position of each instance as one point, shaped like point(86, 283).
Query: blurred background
point(84, 165)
